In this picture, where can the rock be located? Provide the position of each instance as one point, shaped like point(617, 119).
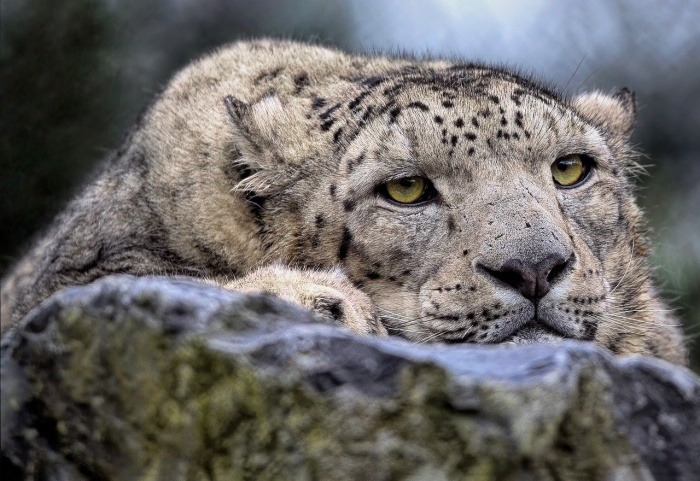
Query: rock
point(155, 378)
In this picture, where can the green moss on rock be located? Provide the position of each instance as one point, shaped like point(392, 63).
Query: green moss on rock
point(115, 389)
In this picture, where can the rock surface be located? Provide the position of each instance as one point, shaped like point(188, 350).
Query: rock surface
point(165, 379)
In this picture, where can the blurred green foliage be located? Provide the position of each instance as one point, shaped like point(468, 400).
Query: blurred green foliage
point(75, 73)
point(57, 107)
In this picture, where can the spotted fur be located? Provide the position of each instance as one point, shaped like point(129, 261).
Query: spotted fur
point(259, 168)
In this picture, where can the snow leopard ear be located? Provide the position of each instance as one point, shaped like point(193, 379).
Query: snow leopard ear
point(254, 123)
point(255, 135)
point(614, 114)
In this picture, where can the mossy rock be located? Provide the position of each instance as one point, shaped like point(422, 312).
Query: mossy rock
point(166, 379)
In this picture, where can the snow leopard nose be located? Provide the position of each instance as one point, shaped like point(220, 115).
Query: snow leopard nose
point(532, 280)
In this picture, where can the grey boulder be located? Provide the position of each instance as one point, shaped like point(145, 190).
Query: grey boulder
point(169, 379)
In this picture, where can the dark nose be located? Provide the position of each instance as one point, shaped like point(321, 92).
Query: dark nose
point(532, 280)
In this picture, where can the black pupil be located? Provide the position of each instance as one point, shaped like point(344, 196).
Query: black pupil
point(407, 183)
point(564, 164)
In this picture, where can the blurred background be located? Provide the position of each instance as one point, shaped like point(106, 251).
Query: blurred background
point(74, 75)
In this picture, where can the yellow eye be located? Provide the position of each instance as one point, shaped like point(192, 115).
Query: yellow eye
point(570, 170)
point(408, 190)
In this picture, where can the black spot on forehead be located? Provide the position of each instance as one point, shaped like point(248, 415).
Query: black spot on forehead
point(317, 103)
point(391, 91)
point(328, 112)
point(352, 105)
point(352, 163)
point(268, 75)
point(418, 105)
point(301, 81)
point(373, 81)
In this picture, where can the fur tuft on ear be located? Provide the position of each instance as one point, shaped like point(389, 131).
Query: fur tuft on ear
point(615, 114)
point(255, 123)
point(255, 137)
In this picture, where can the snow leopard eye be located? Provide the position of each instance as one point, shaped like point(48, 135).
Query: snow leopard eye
point(408, 190)
point(571, 170)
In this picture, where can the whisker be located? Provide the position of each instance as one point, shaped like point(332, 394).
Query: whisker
point(645, 311)
point(401, 329)
point(433, 336)
point(624, 326)
point(587, 79)
point(629, 263)
point(401, 318)
point(642, 321)
point(575, 70)
point(405, 322)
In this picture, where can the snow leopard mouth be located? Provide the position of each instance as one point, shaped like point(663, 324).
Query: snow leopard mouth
point(534, 332)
